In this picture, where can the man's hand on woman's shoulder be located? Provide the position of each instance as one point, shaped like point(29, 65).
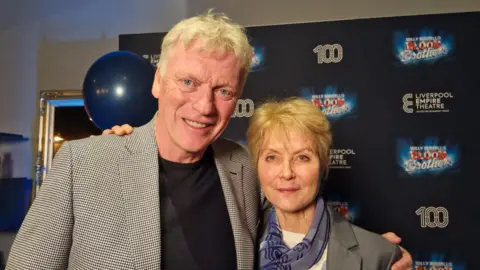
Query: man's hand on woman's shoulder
point(119, 130)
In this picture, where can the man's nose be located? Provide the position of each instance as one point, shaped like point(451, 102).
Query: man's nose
point(203, 102)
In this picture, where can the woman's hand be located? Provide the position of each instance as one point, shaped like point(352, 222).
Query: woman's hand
point(119, 130)
point(405, 263)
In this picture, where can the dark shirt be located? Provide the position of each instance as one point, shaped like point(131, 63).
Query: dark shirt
point(196, 228)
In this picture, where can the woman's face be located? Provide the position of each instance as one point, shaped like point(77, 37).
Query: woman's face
point(289, 171)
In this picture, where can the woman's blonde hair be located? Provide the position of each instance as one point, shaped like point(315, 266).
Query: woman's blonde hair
point(278, 118)
point(217, 33)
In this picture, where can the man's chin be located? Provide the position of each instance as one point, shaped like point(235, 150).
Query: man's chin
point(196, 148)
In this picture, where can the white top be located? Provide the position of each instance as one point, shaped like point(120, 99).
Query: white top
point(291, 239)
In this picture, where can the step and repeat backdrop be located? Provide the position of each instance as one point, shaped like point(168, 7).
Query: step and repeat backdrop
point(403, 97)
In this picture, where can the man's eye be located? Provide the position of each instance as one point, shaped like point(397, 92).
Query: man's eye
point(225, 92)
point(188, 82)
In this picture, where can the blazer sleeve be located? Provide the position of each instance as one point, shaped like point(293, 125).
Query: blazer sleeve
point(396, 255)
point(45, 237)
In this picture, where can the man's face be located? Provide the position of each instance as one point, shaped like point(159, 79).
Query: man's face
point(196, 97)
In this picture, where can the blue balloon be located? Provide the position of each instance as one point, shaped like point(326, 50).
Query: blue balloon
point(117, 90)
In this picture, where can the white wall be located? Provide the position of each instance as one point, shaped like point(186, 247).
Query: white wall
point(72, 41)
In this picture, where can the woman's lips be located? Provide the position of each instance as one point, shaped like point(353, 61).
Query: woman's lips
point(287, 190)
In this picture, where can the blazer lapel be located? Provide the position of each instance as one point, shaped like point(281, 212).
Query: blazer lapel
point(231, 180)
point(342, 241)
point(139, 179)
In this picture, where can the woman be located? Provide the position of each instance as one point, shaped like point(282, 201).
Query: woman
point(290, 142)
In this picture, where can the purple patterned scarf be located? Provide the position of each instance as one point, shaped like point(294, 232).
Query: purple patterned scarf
point(274, 254)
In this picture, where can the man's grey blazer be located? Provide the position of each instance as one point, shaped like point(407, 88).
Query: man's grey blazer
point(353, 248)
point(99, 208)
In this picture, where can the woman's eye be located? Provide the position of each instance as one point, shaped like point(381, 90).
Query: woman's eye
point(303, 158)
point(270, 158)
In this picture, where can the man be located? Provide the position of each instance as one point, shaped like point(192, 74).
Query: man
point(171, 195)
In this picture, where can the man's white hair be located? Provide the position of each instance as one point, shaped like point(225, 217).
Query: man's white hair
point(216, 32)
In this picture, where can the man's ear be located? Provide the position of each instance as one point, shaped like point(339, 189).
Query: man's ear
point(156, 83)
